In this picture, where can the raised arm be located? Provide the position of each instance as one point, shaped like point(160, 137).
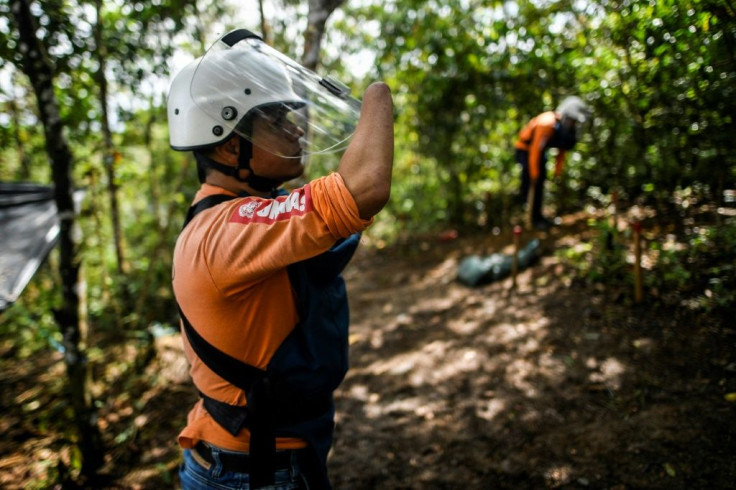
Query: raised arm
point(367, 163)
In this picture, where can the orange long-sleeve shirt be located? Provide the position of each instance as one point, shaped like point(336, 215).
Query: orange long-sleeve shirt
point(231, 281)
point(534, 137)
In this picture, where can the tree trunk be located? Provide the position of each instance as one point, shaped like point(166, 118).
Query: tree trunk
point(39, 70)
point(265, 31)
point(108, 153)
point(319, 12)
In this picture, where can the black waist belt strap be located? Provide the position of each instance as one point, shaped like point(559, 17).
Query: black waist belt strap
point(257, 416)
point(271, 401)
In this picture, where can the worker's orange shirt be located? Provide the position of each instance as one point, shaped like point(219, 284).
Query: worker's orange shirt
point(231, 282)
point(533, 138)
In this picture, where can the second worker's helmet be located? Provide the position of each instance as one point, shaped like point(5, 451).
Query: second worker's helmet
point(574, 108)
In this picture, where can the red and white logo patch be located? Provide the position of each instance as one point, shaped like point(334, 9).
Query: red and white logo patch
point(257, 210)
point(248, 209)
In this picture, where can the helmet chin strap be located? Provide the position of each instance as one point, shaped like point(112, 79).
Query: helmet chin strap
point(261, 184)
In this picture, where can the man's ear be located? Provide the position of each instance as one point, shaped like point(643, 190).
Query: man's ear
point(228, 151)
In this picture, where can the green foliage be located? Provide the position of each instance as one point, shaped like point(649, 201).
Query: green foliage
point(602, 260)
point(672, 270)
point(467, 76)
point(667, 92)
point(155, 186)
point(29, 322)
point(694, 268)
point(22, 150)
point(699, 273)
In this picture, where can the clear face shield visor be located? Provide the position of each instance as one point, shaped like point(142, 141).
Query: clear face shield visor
point(251, 89)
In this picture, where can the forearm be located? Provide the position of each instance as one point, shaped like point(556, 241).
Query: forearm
point(368, 161)
point(559, 162)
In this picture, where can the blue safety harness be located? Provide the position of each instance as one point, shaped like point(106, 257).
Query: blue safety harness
point(292, 397)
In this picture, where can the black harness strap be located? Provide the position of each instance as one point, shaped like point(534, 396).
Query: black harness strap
point(232, 370)
point(271, 402)
point(203, 204)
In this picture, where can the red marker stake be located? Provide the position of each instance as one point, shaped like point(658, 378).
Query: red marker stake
point(515, 264)
point(530, 206)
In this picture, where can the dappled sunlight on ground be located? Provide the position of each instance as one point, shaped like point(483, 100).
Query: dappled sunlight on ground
point(542, 386)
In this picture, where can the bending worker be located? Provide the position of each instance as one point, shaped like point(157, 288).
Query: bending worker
point(256, 270)
point(553, 129)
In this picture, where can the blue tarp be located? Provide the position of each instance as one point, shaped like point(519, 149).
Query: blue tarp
point(29, 227)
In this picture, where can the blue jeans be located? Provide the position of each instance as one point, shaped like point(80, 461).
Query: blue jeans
point(197, 474)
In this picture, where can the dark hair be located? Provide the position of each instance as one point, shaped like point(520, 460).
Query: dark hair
point(201, 172)
point(201, 155)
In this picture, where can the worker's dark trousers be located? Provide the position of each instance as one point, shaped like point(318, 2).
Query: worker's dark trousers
point(522, 158)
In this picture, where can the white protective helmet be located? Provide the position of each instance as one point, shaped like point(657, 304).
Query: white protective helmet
point(574, 108)
point(241, 77)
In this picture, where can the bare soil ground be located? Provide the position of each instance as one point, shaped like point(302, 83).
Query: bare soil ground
point(553, 384)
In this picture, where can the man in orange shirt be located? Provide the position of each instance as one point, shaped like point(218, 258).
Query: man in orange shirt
point(552, 129)
point(256, 270)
